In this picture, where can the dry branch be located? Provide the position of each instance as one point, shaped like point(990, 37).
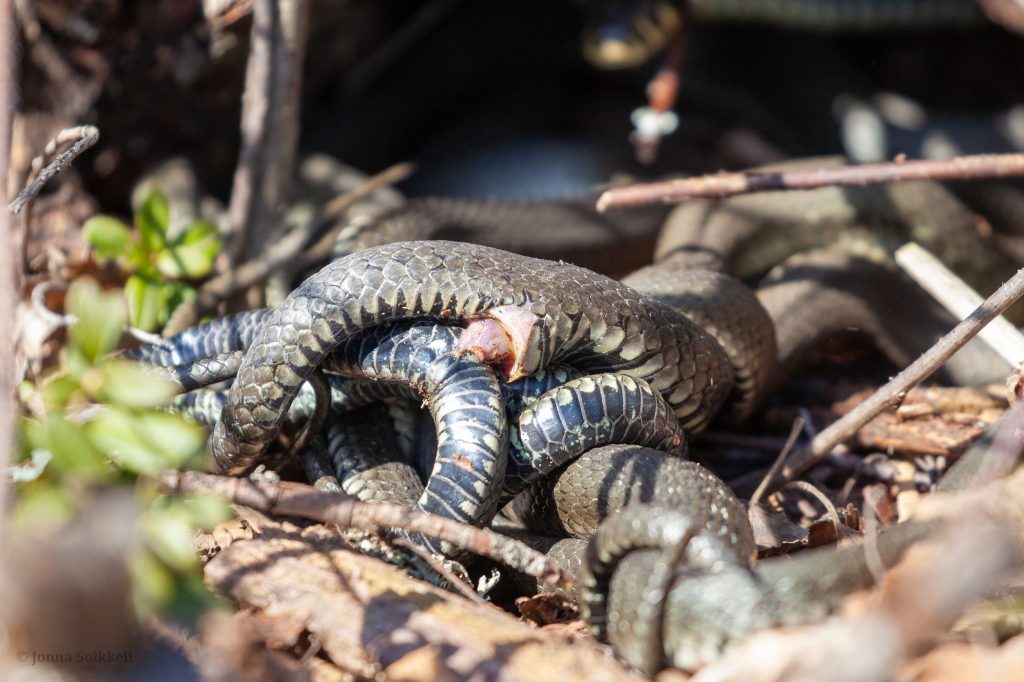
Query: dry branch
point(270, 124)
point(730, 184)
point(297, 499)
point(82, 137)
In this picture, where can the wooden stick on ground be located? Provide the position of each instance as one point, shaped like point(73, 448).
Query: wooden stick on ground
point(892, 394)
point(298, 499)
point(729, 184)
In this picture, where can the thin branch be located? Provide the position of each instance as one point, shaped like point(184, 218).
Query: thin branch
point(283, 253)
point(794, 433)
point(891, 395)
point(83, 137)
point(959, 299)
point(298, 499)
point(270, 124)
point(822, 498)
point(730, 184)
point(437, 565)
point(8, 300)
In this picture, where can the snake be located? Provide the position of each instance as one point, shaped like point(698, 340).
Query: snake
point(622, 34)
point(614, 244)
point(551, 312)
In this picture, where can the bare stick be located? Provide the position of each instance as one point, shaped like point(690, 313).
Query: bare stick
point(283, 253)
point(270, 124)
point(83, 138)
point(794, 433)
point(7, 275)
point(960, 299)
point(298, 499)
point(729, 184)
point(893, 393)
point(438, 567)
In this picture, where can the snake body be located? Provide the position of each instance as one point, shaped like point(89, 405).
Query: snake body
point(463, 397)
point(725, 308)
point(587, 320)
point(368, 459)
point(843, 15)
point(572, 229)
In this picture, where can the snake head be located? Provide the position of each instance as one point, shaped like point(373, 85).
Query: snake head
point(508, 336)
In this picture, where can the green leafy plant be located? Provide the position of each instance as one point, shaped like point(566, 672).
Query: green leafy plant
point(160, 262)
point(94, 422)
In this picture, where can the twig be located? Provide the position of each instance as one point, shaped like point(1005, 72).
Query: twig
point(830, 508)
point(333, 210)
point(729, 184)
point(283, 253)
point(892, 394)
point(297, 499)
point(83, 137)
point(8, 300)
point(270, 124)
point(177, 639)
point(794, 433)
point(959, 299)
point(438, 567)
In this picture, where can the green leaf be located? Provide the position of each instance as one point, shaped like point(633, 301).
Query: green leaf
point(178, 439)
point(133, 384)
point(152, 582)
point(138, 259)
point(73, 452)
point(177, 293)
point(58, 392)
point(100, 317)
point(110, 237)
point(145, 443)
point(168, 532)
point(146, 303)
point(192, 600)
point(206, 511)
point(196, 232)
point(152, 219)
point(192, 255)
point(118, 434)
point(41, 506)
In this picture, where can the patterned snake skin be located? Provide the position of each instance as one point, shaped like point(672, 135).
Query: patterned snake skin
point(587, 320)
